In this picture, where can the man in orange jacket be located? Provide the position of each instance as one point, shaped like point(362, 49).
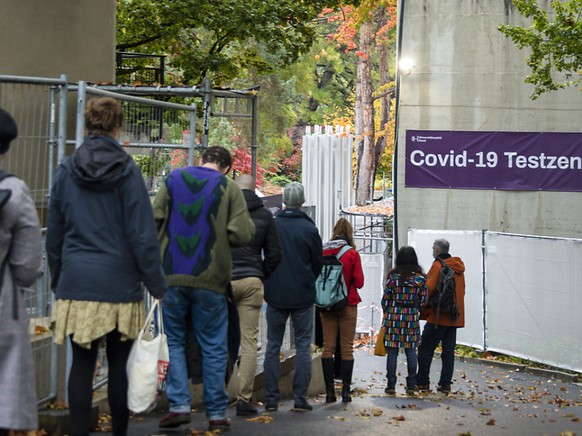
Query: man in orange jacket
point(441, 327)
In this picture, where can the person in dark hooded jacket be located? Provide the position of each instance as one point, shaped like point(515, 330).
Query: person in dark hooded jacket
point(102, 245)
point(251, 265)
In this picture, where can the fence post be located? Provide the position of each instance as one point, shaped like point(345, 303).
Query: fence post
point(254, 128)
point(192, 143)
point(484, 287)
point(81, 97)
point(62, 118)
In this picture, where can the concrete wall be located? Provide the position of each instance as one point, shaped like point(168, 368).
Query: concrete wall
point(48, 38)
point(468, 76)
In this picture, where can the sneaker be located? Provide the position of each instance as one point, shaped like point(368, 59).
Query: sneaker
point(173, 420)
point(302, 406)
point(423, 388)
point(444, 388)
point(244, 408)
point(271, 407)
point(390, 391)
point(219, 424)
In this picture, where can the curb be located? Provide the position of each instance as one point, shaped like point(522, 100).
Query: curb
point(563, 376)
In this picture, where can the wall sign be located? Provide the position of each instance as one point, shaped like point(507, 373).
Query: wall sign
point(494, 160)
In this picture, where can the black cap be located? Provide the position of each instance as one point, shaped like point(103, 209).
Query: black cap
point(8, 130)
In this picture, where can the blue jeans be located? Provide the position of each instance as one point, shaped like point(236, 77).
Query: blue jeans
point(431, 336)
point(392, 363)
point(302, 320)
point(209, 317)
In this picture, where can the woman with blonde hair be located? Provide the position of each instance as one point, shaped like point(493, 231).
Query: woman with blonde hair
point(343, 320)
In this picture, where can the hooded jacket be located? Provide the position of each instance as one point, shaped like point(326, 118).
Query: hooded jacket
point(260, 257)
point(101, 238)
point(292, 284)
point(432, 278)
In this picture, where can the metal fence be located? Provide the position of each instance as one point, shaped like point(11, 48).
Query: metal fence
point(155, 133)
point(159, 135)
point(523, 293)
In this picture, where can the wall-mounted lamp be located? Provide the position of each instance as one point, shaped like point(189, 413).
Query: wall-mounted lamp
point(406, 65)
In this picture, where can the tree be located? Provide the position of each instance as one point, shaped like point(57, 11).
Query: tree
point(219, 38)
point(556, 45)
point(363, 29)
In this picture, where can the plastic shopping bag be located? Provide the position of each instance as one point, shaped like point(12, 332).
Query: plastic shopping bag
point(147, 364)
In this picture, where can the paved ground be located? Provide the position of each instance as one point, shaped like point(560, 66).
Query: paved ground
point(487, 399)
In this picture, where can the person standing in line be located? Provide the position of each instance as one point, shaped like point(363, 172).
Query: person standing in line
point(201, 215)
point(405, 293)
point(344, 320)
point(290, 292)
point(251, 265)
point(20, 259)
point(101, 244)
point(441, 328)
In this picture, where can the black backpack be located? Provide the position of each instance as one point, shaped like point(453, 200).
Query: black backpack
point(444, 299)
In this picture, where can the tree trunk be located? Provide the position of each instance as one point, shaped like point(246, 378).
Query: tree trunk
point(385, 99)
point(365, 136)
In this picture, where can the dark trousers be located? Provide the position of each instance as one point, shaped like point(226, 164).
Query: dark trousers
point(431, 337)
point(80, 387)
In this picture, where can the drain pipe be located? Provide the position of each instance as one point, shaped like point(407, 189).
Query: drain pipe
point(396, 126)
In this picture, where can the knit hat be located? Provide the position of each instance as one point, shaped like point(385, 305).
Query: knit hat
point(294, 195)
point(8, 130)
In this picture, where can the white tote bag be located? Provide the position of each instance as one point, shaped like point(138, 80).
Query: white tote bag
point(147, 364)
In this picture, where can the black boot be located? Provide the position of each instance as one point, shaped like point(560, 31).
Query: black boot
point(327, 364)
point(347, 369)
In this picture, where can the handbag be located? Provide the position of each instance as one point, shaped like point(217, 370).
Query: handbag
point(147, 364)
point(380, 347)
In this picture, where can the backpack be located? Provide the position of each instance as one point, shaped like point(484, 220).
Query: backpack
point(331, 292)
point(444, 300)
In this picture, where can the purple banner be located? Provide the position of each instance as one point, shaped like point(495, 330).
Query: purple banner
point(494, 160)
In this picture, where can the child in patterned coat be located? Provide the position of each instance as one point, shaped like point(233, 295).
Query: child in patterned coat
point(405, 293)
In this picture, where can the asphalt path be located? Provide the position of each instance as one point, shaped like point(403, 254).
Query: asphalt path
point(487, 399)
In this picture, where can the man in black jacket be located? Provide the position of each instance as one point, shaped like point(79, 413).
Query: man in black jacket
point(252, 264)
point(290, 292)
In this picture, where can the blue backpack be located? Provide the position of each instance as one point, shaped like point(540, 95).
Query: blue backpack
point(331, 292)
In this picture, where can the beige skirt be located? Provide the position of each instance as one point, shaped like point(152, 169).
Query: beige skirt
point(87, 321)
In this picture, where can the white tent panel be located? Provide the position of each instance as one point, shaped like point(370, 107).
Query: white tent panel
point(370, 309)
point(534, 296)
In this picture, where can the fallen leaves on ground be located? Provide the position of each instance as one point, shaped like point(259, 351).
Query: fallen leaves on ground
point(57, 405)
point(407, 406)
point(263, 419)
point(375, 411)
point(40, 432)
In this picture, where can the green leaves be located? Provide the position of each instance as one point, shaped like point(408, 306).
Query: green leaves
point(556, 45)
point(219, 38)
